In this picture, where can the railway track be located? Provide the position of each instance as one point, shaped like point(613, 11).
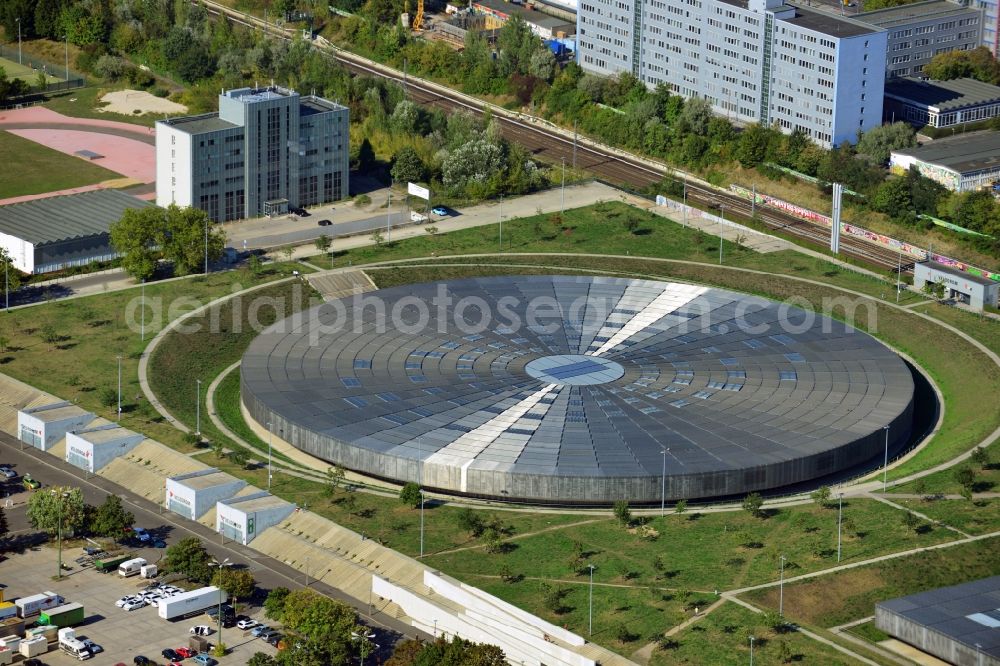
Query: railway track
point(553, 147)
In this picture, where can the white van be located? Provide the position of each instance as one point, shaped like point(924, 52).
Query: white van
point(131, 567)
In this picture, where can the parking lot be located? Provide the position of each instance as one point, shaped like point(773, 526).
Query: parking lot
point(122, 634)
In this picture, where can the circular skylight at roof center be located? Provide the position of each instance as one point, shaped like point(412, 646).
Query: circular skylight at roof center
point(569, 389)
point(574, 370)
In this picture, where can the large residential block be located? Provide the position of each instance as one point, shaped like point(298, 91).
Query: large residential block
point(756, 61)
point(267, 149)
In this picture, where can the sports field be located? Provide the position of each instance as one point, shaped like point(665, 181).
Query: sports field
point(25, 72)
point(40, 169)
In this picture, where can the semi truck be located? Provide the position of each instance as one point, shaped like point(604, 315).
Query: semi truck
point(68, 615)
point(189, 604)
point(131, 567)
point(110, 564)
point(36, 603)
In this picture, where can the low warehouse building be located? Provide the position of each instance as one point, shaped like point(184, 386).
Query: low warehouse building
point(243, 518)
point(42, 427)
point(974, 290)
point(940, 103)
point(498, 12)
point(50, 234)
point(959, 624)
point(192, 495)
point(93, 448)
point(962, 163)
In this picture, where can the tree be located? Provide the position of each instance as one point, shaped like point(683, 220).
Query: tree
point(407, 167)
point(238, 457)
point(784, 652)
point(236, 582)
point(189, 557)
point(261, 659)
point(752, 146)
point(135, 237)
point(184, 239)
point(323, 243)
point(46, 506)
point(274, 604)
point(334, 478)
point(979, 63)
point(964, 476)
point(323, 624)
point(622, 512)
point(892, 197)
point(879, 141)
point(112, 518)
point(681, 506)
point(410, 494)
point(470, 521)
point(753, 504)
point(377, 237)
point(821, 496)
point(980, 456)
point(11, 276)
point(11, 88)
point(472, 162)
point(911, 520)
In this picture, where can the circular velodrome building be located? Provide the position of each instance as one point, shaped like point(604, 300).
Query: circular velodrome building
point(572, 390)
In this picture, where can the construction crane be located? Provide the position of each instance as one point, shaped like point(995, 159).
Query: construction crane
point(418, 20)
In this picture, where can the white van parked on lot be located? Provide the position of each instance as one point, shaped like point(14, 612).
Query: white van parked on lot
point(131, 567)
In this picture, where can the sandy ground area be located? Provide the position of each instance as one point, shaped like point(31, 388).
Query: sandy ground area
point(128, 101)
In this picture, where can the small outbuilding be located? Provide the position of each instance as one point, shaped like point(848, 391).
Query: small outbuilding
point(963, 163)
point(194, 494)
point(959, 624)
point(42, 427)
point(974, 290)
point(93, 448)
point(45, 235)
point(243, 518)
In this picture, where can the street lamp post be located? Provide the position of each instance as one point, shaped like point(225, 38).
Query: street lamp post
point(60, 496)
point(840, 520)
point(119, 388)
point(67, 59)
point(590, 604)
point(781, 589)
point(221, 566)
point(722, 229)
point(197, 408)
point(420, 483)
point(18, 19)
point(388, 216)
point(500, 220)
point(142, 326)
point(885, 463)
point(751, 651)
point(365, 645)
point(206, 245)
point(270, 434)
point(663, 484)
point(562, 197)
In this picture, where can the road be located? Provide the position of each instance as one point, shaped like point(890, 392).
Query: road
point(270, 573)
point(547, 144)
point(307, 229)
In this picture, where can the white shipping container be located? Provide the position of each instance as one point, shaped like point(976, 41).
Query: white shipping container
point(32, 647)
point(190, 603)
point(6, 656)
point(10, 642)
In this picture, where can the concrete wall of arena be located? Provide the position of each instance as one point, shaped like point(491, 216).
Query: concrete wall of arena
point(482, 618)
point(930, 641)
point(582, 489)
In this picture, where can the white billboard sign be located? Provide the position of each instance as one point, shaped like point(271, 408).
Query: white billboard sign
point(418, 191)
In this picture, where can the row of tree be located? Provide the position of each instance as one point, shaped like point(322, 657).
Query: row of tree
point(45, 509)
point(183, 236)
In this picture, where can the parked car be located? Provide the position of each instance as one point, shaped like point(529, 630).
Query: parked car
point(205, 660)
point(30, 483)
point(158, 543)
point(185, 652)
point(125, 600)
point(134, 605)
point(7, 472)
point(141, 534)
point(274, 639)
point(261, 629)
point(324, 223)
point(37, 662)
point(170, 654)
point(140, 660)
point(92, 646)
point(201, 630)
point(246, 624)
point(439, 210)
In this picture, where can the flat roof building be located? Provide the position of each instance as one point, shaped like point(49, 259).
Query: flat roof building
point(42, 427)
point(962, 163)
point(919, 31)
point(45, 235)
point(267, 149)
point(545, 26)
point(974, 290)
point(959, 624)
point(755, 61)
point(194, 494)
point(94, 447)
point(243, 518)
point(941, 103)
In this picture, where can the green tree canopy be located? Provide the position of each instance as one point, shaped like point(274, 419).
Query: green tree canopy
point(879, 141)
point(410, 494)
point(274, 605)
point(112, 518)
point(10, 88)
point(979, 63)
point(323, 623)
point(238, 583)
point(46, 505)
point(407, 167)
point(177, 234)
point(189, 557)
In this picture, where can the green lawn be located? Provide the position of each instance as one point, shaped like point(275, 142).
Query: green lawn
point(85, 335)
point(980, 516)
point(849, 595)
point(984, 329)
point(722, 639)
point(41, 169)
point(962, 372)
point(703, 551)
point(943, 482)
point(24, 72)
point(85, 103)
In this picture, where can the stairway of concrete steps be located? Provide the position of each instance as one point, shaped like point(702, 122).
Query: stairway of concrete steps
point(144, 469)
point(339, 285)
point(14, 396)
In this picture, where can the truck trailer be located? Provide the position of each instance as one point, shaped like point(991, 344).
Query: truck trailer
point(36, 603)
point(189, 604)
point(68, 615)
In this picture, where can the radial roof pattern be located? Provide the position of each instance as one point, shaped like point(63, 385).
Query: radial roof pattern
point(558, 388)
